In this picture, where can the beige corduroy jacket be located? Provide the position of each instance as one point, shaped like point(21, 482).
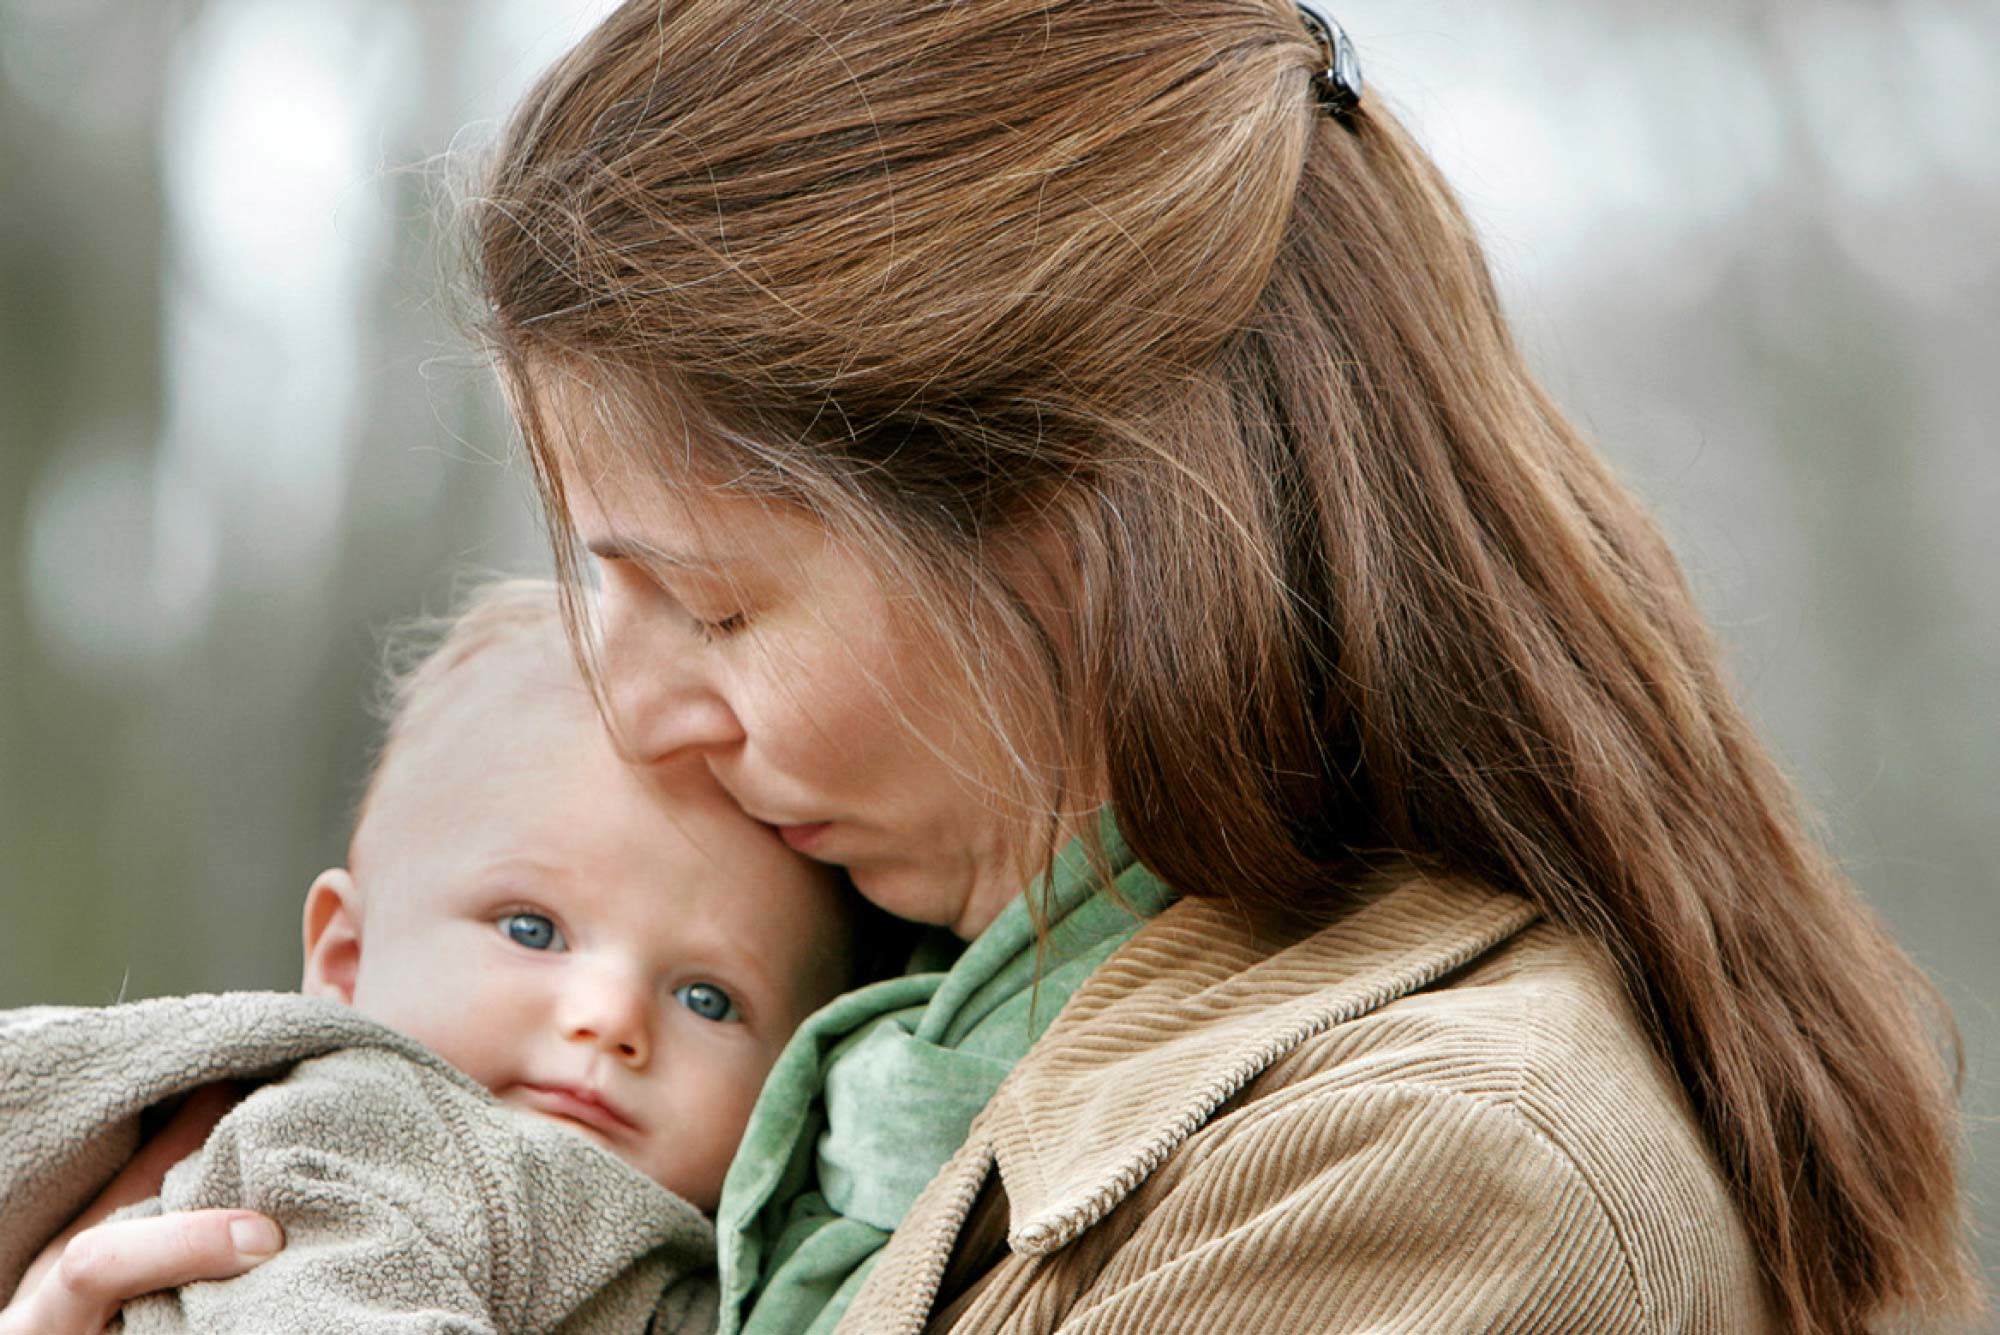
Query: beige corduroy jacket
point(1439, 1114)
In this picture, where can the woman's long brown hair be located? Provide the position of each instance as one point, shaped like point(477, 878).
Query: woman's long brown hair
point(1343, 586)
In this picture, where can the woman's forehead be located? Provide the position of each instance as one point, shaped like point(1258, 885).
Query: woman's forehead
point(653, 484)
point(613, 457)
point(602, 420)
point(677, 521)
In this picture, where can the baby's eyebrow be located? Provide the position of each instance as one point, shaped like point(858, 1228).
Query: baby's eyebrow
point(742, 967)
point(527, 868)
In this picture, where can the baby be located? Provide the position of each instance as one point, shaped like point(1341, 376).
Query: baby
point(623, 951)
point(535, 954)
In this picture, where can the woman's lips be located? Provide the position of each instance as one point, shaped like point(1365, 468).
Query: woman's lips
point(580, 1105)
point(803, 837)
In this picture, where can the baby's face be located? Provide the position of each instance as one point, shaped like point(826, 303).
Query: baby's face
point(622, 951)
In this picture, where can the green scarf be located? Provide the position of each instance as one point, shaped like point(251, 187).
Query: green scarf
point(877, 1089)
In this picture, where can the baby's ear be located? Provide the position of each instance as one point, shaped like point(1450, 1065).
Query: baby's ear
point(332, 937)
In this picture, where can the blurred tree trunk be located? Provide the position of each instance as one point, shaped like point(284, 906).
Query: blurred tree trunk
point(80, 279)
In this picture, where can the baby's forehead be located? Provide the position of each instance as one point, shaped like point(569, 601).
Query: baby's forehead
point(500, 702)
point(517, 681)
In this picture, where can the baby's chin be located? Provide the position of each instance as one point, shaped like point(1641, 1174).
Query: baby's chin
point(624, 1153)
point(523, 1103)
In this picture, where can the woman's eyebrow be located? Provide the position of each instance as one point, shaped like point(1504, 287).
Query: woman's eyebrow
point(617, 547)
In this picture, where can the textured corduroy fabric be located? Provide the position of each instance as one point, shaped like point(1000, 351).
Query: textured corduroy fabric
point(1438, 1114)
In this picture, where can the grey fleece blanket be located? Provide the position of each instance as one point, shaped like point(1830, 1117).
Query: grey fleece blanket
point(411, 1199)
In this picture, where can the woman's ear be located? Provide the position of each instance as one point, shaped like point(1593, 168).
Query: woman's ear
point(332, 937)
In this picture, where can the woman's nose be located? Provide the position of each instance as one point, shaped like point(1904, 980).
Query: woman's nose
point(663, 700)
point(612, 1012)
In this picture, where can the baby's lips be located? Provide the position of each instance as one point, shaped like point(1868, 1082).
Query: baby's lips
point(581, 1104)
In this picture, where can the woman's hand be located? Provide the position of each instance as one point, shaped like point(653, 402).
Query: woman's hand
point(79, 1280)
point(83, 1284)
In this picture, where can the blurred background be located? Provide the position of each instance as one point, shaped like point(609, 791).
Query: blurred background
point(1752, 246)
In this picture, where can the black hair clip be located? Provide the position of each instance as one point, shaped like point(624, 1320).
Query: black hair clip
point(1339, 84)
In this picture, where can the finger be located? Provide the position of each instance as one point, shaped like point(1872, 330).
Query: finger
point(103, 1266)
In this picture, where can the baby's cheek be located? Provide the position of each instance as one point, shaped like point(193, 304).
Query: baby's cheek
point(458, 1018)
point(700, 1135)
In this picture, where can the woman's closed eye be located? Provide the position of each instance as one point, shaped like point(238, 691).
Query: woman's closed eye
point(716, 628)
point(708, 1001)
point(706, 624)
point(534, 931)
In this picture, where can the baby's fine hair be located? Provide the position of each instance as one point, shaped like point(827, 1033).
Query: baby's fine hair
point(423, 655)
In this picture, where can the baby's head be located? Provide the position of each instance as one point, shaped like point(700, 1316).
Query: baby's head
point(620, 949)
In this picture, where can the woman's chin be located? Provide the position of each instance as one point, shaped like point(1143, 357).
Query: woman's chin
point(941, 894)
point(905, 890)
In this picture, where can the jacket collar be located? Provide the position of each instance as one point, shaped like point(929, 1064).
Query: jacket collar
point(1188, 1013)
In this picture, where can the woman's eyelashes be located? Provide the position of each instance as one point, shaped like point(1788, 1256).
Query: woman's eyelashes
point(533, 931)
point(711, 630)
point(707, 1001)
point(713, 606)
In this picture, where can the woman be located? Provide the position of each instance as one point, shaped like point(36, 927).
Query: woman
point(987, 417)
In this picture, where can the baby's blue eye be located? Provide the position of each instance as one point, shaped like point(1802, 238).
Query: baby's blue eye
point(533, 931)
point(707, 1000)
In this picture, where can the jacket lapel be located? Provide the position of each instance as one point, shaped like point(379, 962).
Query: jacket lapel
point(1189, 1012)
point(1179, 1021)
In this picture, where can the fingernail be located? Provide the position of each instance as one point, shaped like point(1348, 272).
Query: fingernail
point(255, 1239)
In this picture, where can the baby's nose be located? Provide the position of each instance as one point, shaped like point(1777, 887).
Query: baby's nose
point(612, 1014)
